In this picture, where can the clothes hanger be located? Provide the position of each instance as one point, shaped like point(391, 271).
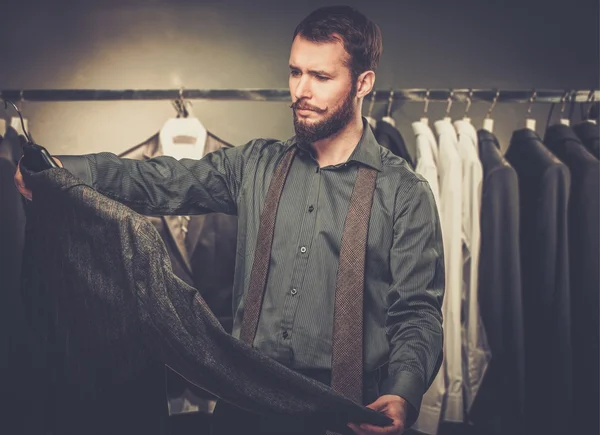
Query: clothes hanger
point(530, 121)
point(488, 122)
point(372, 122)
point(424, 118)
point(469, 101)
point(564, 120)
point(183, 136)
point(449, 106)
point(592, 111)
point(35, 157)
point(388, 118)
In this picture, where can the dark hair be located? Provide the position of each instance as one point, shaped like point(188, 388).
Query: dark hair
point(360, 37)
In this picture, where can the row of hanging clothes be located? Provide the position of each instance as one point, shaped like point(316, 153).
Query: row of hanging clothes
point(522, 257)
point(37, 396)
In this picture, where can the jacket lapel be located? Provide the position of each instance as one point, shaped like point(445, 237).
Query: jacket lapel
point(173, 223)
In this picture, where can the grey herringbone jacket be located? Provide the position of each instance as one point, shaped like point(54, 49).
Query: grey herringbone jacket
point(115, 302)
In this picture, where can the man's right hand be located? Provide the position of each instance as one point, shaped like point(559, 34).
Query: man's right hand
point(20, 183)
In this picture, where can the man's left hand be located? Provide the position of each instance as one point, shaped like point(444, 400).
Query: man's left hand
point(394, 407)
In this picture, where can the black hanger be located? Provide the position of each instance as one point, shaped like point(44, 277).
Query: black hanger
point(35, 157)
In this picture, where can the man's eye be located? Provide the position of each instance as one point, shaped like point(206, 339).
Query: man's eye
point(294, 73)
point(322, 78)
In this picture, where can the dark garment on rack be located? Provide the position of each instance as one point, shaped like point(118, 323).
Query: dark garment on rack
point(589, 134)
point(389, 137)
point(498, 407)
point(205, 257)
point(12, 231)
point(106, 275)
point(544, 184)
point(584, 256)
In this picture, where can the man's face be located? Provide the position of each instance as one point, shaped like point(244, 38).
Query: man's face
point(323, 92)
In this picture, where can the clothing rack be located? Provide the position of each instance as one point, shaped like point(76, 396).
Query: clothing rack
point(378, 95)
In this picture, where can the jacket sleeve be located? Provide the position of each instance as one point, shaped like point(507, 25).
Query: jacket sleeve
point(414, 317)
point(164, 185)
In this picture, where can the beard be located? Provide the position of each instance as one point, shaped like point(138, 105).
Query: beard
point(309, 133)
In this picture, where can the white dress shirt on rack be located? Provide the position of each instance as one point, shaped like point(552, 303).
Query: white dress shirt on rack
point(427, 165)
point(450, 175)
point(474, 340)
point(427, 157)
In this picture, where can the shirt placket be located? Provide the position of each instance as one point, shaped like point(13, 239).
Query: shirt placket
point(303, 252)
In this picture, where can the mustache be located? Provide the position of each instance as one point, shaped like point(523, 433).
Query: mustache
point(300, 105)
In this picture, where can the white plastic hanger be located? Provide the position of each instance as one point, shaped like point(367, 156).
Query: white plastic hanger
point(488, 122)
point(388, 118)
point(529, 121)
point(372, 122)
point(184, 136)
point(424, 118)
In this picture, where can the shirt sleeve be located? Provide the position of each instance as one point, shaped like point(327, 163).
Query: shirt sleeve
point(414, 317)
point(164, 185)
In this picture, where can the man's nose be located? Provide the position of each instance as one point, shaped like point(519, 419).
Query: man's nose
point(303, 88)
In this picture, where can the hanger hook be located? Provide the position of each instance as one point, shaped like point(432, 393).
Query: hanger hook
point(426, 101)
point(563, 100)
point(180, 105)
point(590, 100)
point(6, 103)
point(531, 100)
point(449, 102)
point(494, 102)
point(390, 101)
point(372, 103)
point(469, 101)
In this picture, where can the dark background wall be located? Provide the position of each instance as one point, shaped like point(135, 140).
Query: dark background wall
point(245, 44)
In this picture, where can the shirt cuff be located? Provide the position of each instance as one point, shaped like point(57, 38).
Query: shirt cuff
point(408, 386)
point(79, 166)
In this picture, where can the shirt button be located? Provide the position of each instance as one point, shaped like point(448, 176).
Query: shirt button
point(285, 334)
point(303, 249)
point(310, 209)
point(294, 291)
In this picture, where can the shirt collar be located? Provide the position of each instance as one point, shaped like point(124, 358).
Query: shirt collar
point(366, 152)
point(420, 128)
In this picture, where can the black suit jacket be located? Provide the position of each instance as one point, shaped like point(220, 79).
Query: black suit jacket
point(584, 255)
point(388, 136)
point(205, 259)
point(544, 185)
point(498, 407)
point(590, 136)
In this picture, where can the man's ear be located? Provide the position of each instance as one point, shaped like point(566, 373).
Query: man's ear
point(365, 83)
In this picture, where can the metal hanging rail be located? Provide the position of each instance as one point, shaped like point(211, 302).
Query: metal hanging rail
point(381, 95)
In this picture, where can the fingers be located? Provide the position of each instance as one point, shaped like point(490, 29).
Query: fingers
point(368, 429)
point(20, 183)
